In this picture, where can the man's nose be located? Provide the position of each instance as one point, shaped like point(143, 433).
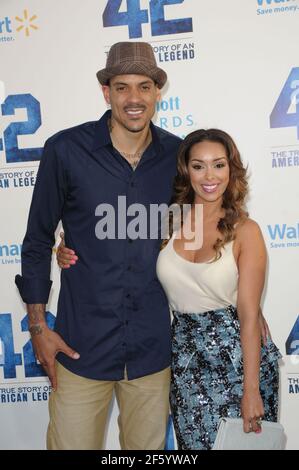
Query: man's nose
point(135, 95)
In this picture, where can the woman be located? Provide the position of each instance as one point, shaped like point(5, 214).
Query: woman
point(218, 367)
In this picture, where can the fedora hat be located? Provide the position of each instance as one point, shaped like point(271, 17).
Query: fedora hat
point(132, 57)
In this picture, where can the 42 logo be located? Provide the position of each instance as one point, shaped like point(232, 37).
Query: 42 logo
point(135, 16)
point(9, 143)
point(289, 96)
point(9, 359)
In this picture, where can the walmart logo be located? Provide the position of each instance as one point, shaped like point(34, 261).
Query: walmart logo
point(272, 7)
point(10, 250)
point(5, 25)
point(270, 2)
point(283, 235)
point(25, 23)
point(10, 254)
point(282, 231)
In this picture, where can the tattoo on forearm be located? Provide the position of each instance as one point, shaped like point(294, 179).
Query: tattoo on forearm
point(36, 313)
point(35, 330)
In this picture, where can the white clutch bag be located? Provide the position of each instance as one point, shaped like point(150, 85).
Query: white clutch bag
point(230, 436)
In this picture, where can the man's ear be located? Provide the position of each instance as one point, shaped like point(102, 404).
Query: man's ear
point(106, 93)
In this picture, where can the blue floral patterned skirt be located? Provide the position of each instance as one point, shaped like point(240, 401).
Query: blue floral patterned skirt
point(207, 375)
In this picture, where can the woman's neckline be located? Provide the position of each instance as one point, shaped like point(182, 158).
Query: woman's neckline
point(186, 260)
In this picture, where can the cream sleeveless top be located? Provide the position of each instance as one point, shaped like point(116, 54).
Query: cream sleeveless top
point(198, 287)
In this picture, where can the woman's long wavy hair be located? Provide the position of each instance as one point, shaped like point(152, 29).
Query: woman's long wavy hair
point(234, 195)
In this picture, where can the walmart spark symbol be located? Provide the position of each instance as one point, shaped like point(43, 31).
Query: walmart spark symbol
point(26, 23)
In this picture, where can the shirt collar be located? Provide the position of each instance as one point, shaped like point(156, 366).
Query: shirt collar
point(101, 132)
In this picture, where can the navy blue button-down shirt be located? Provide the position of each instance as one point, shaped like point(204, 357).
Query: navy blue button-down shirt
point(111, 307)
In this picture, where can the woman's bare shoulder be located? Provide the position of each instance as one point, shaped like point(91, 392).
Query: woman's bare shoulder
point(248, 228)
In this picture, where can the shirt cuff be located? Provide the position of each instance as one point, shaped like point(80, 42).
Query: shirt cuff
point(33, 290)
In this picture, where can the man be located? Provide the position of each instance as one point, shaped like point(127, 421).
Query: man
point(112, 331)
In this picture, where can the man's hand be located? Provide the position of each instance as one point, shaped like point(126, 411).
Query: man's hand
point(265, 331)
point(46, 344)
point(65, 256)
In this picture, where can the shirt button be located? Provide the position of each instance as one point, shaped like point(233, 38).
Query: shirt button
point(132, 184)
point(128, 296)
point(129, 268)
point(124, 345)
point(126, 322)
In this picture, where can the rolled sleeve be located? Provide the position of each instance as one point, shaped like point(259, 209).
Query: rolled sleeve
point(33, 290)
point(45, 213)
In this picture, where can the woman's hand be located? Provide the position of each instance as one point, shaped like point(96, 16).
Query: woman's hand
point(65, 257)
point(252, 410)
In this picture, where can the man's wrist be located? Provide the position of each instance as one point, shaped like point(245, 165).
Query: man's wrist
point(36, 330)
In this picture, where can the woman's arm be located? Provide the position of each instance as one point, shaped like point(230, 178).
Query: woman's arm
point(252, 268)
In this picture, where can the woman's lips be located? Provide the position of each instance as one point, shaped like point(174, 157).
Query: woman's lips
point(209, 188)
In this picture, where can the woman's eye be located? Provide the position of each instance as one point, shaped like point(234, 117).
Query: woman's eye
point(197, 167)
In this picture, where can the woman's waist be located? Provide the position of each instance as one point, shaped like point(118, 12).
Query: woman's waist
point(210, 314)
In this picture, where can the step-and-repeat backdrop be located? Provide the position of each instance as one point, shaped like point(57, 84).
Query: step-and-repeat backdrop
point(232, 64)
